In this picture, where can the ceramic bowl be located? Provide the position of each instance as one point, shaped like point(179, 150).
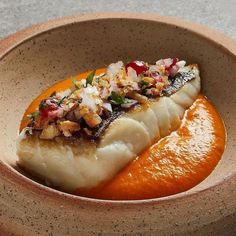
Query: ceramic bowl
point(35, 58)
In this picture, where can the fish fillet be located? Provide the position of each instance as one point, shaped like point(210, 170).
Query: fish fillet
point(70, 167)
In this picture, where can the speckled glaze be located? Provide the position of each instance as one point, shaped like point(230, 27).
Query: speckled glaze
point(37, 57)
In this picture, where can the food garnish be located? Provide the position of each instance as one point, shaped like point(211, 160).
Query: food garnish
point(92, 101)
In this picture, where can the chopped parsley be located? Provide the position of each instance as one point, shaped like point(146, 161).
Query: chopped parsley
point(90, 77)
point(144, 83)
point(33, 115)
point(59, 102)
point(117, 99)
point(43, 104)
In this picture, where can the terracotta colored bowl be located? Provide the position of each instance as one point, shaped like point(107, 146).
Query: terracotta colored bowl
point(33, 59)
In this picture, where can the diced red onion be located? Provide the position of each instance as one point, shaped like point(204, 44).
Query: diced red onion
point(114, 68)
point(63, 94)
point(132, 74)
point(138, 66)
point(51, 103)
point(173, 70)
point(171, 65)
point(160, 62)
point(158, 78)
point(60, 112)
point(107, 106)
point(153, 68)
point(53, 114)
point(130, 104)
point(168, 62)
point(91, 90)
point(88, 101)
point(104, 94)
point(113, 86)
point(181, 64)
point(135, 86)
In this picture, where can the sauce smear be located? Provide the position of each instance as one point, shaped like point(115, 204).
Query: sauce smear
point(175, 164)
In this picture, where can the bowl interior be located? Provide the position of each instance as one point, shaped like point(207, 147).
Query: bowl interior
point(54, 55)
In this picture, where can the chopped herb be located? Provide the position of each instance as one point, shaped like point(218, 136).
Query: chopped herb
point(144, 83)
point(141, 75)
point(117, 99)
point(127, 60)
point(89, 78)
point(59, 102)
point(98, 77)
point(42, 104)
point(33, 115)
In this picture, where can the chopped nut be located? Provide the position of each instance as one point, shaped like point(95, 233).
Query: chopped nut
point(148, 80)
point(68, 127)
point(92, 119)
point(77, 113)
point(160, 86)
point(50, 132)
point(138, 97)
point(153, 91)
point(83, 110)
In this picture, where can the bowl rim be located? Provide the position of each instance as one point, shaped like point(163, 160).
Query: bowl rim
point(11, 175)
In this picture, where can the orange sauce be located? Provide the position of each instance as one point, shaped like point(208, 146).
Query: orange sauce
point(174, 164)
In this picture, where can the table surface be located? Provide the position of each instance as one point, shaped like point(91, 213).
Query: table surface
point(18, 14)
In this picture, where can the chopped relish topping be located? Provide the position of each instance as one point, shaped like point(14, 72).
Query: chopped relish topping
point(90, 105)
